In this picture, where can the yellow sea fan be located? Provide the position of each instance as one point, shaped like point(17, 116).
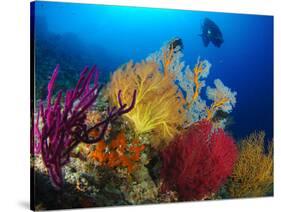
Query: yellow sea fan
point(158, 104)
point(253, 172)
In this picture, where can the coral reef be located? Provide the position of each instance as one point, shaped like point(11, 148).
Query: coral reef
point(60, 128)
point(161, 115)
point(198, 162)
point(253, 172)
point(170, 145)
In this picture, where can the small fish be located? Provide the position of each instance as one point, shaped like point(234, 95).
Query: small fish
point(176, 43)
point(220, 115)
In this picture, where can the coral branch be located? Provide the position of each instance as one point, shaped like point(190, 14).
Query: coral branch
point(198, 70)
point(60, 127)
point(167, 59)
point(215, 106)
point(223, 98)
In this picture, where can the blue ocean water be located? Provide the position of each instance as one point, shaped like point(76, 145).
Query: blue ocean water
point(110, 36)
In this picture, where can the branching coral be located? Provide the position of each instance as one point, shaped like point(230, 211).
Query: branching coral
point(60, 127)
point(118, 153)
point(223, 98)
point(198, 162)
point(201, 70)
point(169, 57)
point(158, 105)
point(253, 173)
point(191, 81)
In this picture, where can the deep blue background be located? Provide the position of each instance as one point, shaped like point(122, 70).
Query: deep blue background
point(113, 35)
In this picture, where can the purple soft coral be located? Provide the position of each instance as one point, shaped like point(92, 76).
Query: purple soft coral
point(62, 125)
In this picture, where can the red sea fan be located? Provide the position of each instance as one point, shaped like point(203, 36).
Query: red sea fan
point(198, 162)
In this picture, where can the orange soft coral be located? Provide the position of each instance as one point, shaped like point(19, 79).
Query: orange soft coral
point(118, 153)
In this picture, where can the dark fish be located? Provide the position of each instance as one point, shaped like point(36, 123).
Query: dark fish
point(211, 33)
point(176, 42)
point(220, 115)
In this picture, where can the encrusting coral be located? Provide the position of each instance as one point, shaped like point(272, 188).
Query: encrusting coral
point(197, 163)
point(253, 172)
point(118, 153)
point(158, 106)
point(141, 188)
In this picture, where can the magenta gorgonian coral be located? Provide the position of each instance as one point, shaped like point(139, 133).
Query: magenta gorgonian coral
point(60, 125)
